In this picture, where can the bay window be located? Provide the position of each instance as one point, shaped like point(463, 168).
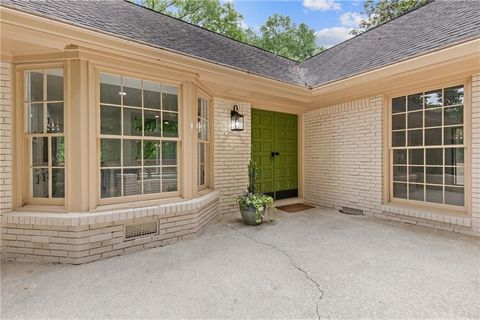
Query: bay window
point(428, 147)
point(203, 142)
point(44, 133)
point(139, 137)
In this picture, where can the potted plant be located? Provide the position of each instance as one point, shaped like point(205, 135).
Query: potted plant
point(253, 205)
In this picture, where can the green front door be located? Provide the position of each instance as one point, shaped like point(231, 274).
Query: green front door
point(274, 149)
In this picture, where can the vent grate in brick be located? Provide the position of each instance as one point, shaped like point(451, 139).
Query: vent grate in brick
point(352, 211)
point(139, 230)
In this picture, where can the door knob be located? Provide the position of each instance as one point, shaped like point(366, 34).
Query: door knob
point(275, 153)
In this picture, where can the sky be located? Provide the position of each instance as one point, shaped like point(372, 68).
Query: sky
point(332, 20)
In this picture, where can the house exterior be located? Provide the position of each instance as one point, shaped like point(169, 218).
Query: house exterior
point(116, 125)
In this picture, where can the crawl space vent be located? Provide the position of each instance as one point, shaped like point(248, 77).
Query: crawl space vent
point(352, 211)
point(140, 230)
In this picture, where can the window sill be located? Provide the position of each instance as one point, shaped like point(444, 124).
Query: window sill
point(110, 215)
point(457, 217)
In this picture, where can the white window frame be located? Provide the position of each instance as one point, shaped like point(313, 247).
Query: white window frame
point(447, 208)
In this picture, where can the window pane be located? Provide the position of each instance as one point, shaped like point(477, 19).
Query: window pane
point(433, 99)
point(151, 153)
point(399, 139)
point(58, 183)
point(151, 180)
point(151, 95)
point(55, 117)
point(169, 153)
point(415, 156)
point(199, 107)
point(34, 114)
point(170, 124)
point(415, 119)
point(399, 105)
point(201, 153)
point(152, 123)
point(34, 86)
point(415, 137)
point(170, 98)
point(110, 120)
point(399, 156)
point(434, 194)
point(132, 153)
point(416, 174)
point(202, 129)
point(201, 175)
point(434, 175)
point(454, 156)
point(110, 91)
point(40, 183)
point(400, 190)
point(416, 192)
point(433, 118)
point(415, 102)
point(58, 151)
point(400, 173)
point(39, 151)
point(453, 115)
point(132, 92)
point(398, 121)
point(455, 176)
point(454, 196)
point(169, 179)
point(132, 181)
point(132, 122)
point(110, 183)
point(433, 136)
point(434, 156)
point(453, 135)
point(55, 85)
point(110, 152)
point(454, 96)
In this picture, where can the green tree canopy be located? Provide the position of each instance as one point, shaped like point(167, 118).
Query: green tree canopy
point(278, 34)
point(377, 12)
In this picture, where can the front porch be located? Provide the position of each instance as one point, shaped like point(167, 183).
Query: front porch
point(364, 268)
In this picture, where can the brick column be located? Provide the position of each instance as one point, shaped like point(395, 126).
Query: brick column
point(5, 137)
point(232, 151)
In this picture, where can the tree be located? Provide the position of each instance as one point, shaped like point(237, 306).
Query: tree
point(283, 37)
point(278, 34)
point(208, 14)
point(377, 12)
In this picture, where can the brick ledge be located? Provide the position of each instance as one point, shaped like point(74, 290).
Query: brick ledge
point(464, 221)
point(88, 218)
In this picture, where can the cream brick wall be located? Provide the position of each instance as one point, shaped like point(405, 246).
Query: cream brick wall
point(343, 155)
point(231, 154)
point(5, 137)
point(476, 153)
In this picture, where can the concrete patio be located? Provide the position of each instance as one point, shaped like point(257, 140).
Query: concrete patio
point(312, 264)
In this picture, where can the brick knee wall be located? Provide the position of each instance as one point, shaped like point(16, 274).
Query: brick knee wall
point(95, 238)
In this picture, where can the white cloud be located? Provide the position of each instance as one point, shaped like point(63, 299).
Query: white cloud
point(350, 19)
point(322, 5)
point(329, 37)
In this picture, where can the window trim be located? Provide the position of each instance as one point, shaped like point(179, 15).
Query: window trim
point(388, 172)
point(142, 197)
point(22, 184)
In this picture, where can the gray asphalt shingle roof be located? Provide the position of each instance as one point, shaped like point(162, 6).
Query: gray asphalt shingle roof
point(437, 25)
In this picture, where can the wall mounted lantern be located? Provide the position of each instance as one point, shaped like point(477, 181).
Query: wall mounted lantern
point(236, 119)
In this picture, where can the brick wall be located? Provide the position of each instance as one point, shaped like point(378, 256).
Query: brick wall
point(476, 153)
point(343, 155)
point(232, 152)
point(5, 138)
point(85, 237)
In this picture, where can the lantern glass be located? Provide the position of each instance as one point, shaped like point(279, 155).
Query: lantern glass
point(237, 120)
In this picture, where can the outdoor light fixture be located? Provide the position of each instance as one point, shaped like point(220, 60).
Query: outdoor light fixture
point(236, 120)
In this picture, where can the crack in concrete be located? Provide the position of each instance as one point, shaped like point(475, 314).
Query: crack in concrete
point(294, 264)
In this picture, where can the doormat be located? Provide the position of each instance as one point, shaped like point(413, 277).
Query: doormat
point(296, 207)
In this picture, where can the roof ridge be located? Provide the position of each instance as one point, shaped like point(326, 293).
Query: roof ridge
point(216, 33)
point(373, 28)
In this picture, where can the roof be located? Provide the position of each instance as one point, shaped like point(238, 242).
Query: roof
point(437, 25)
